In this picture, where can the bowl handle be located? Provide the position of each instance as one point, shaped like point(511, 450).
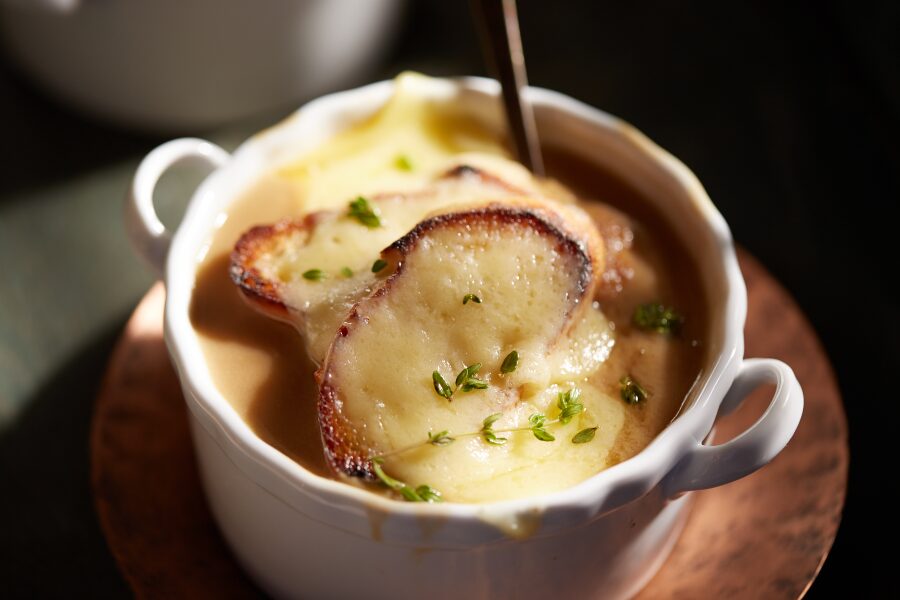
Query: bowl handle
point(707, 466)
point(148, 235)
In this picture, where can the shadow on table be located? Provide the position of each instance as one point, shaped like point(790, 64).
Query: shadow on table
point(52, 544)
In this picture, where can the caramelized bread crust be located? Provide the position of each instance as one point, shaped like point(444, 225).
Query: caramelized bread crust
point(262, 291)
point(496, 215)
point(266, 293)
point(348, 448)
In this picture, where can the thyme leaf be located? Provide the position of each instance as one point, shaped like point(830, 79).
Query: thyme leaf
point(491, 438)
point(584, 436)
point(471, 297)
point(428, 493)
point(474, 384)
point(542, 434)
point(314, 275)
point(487, 430)
point(569, 405)
point(538, 422)
point(423, 493)
point(657, 317)
point(467, 373)
point(490, 420)
point(361, 210)
point(631, 391)
point(510, 363)
point(441, 438)
point(466, 380)
point(441, 386)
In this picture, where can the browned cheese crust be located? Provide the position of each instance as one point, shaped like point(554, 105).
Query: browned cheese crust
point(265, 294)
point(345, 449)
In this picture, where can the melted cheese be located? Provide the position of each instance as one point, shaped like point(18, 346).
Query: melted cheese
point(422, 326)
point(363, 160)
point(530, 294)
point(335, 241)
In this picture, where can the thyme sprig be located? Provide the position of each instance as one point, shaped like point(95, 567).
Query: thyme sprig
point(422, 493)
point(537, 425)
point(465, 381)
point(568, 402)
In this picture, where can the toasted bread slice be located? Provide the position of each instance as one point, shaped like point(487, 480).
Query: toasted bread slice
point(535, 282)
point(337, 252)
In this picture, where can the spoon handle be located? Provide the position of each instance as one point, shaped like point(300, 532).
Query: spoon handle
point(498, 22)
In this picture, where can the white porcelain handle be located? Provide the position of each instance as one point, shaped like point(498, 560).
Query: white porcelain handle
point(710, 466)
point(148, 235)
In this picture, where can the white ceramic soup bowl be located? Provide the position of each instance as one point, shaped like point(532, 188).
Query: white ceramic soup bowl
point(302, 535)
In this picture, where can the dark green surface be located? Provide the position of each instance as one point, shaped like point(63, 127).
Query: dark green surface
point(69, 281)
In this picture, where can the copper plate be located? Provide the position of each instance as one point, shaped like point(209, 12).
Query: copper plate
point(765, 536)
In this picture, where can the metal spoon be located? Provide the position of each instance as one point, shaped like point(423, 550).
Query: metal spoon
point(498, 23)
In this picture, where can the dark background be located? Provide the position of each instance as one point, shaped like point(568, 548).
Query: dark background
point(788, 112)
